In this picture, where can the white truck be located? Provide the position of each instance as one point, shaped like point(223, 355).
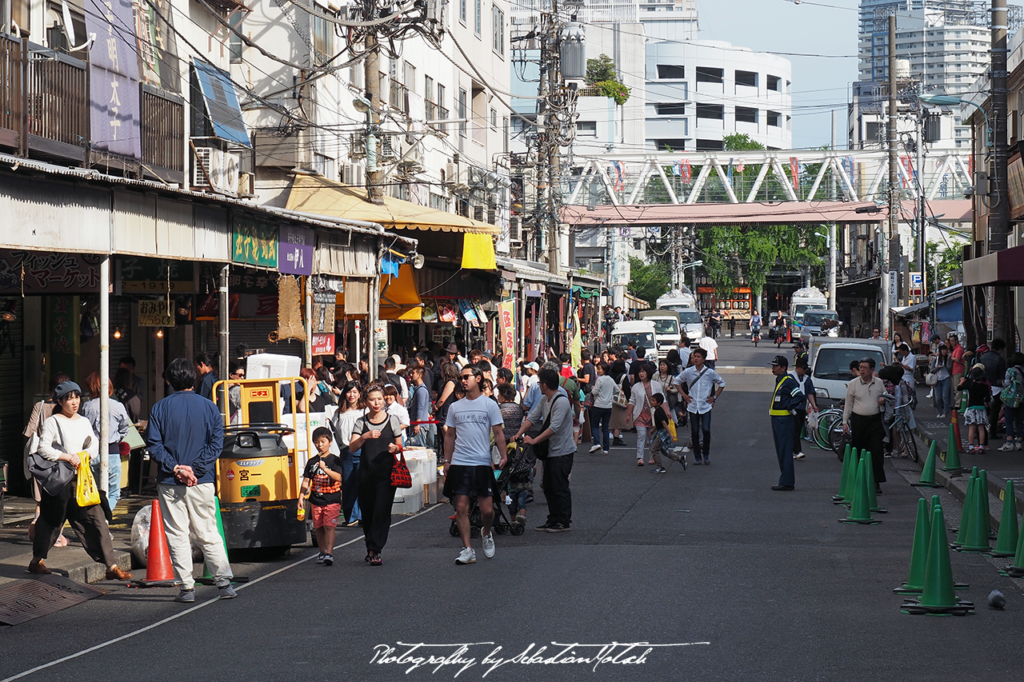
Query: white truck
point(641, 333)
point(666, 329)
point(677, 299)
point(805, 299)
point(830, 360)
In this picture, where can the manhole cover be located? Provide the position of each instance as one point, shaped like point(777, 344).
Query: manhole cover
point(24, 600)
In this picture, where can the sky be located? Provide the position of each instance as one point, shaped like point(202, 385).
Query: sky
point(817, 27)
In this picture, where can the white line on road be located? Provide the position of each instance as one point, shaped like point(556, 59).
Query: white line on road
point(192, 609)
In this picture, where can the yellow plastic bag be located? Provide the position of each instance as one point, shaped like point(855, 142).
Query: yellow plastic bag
point(86, 494)
point(672, 429)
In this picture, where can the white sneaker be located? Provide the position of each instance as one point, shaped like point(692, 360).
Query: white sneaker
point(594, 449)
point(489, 545)
point(466, 556)
point(1008, 446)
point(798, 455)
point(686, 448)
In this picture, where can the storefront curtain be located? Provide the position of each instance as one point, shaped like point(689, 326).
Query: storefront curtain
point(334, 256)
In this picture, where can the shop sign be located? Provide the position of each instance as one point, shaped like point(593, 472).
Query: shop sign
point(254, 243)
point(47, 272)
point(324, 305)
point(323, 344)
point(441, 332)
point(506, 313)
point(156, 314)
point(151, 275)
point(295, 254)
point(381, 330)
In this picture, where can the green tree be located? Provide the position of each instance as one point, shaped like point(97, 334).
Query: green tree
point(734, 254)
point(648, 281)
point(738, 142)
point(949, 265)
point(600, 69)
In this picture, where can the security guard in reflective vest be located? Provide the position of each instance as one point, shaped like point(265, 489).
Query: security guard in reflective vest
point(786, 398)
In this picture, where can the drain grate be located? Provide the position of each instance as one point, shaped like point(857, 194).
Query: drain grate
point(24, 600)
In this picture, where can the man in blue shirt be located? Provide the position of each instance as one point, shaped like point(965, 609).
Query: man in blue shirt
point(204, 367)
point(803, 378)
point(185, 436)
point(419, 410)
point(785, 398)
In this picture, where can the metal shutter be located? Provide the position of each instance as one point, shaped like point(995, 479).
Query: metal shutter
point(12, 417)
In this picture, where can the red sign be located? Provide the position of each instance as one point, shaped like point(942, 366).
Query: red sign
point(323, 344)
point(506, 311)
point(231, 475)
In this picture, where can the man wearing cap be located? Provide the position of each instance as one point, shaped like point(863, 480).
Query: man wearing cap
point(786, 398)
point(531, 386)
point(807, 388)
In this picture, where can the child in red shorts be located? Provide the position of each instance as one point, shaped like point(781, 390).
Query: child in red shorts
point(322, 479)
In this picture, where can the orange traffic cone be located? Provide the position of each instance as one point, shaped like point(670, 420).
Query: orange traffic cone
point(159, 570)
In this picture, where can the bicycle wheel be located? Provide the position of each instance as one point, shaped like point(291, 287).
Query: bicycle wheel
point(908, 444)
point(825, 422)
point(838, 439)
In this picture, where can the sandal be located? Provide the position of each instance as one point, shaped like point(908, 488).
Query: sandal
point(375, 560)
point(639, 462)
point(650, 462)
point(61, 541)
point(367, 557)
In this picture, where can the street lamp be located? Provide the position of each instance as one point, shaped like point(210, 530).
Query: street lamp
point(693, 264)
point(949, 101)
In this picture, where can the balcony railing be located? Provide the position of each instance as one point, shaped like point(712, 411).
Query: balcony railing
point(57, 89)
point(437, 113)
point(163, 129)
point(45, 104)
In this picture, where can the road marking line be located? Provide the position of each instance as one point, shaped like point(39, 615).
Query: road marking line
point(192, 609)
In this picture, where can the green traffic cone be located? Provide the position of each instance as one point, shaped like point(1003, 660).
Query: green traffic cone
point(976, 537)
point(844, 476)
point(937, 597)
point(872, 496)
point(965, 517)
point(1016, 569)
point(987, 516)
point(1006, 543)
point(851, 479)
point(918, 552)
point(860, 509)
point(928, 472)
point(952, 454)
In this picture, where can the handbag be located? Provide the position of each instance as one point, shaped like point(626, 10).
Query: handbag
point(930, 379)
point(542, 448)
point(400, 476)
point(53, 476)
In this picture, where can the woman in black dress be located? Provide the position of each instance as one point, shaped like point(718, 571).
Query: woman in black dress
point(379, 436)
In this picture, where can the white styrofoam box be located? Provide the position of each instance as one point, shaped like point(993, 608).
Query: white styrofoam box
point(408, 500)
point(316, 420)
point(271, 366)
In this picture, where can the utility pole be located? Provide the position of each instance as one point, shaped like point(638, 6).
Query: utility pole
point(922, 223)
point(547, 133)
point(886, 252)
point(832, 176)
point(371, 66)
point(999, 216)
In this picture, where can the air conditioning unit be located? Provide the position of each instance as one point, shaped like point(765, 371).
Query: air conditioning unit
point(456, 176)
point(229, 173)
point(356, 146)
point(515, 229)
point(387, 153)
point(412, 160)
point(203, 164)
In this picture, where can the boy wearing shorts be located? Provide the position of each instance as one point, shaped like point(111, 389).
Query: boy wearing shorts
point(322, 480)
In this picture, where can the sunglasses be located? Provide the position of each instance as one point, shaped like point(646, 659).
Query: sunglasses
point(464, 377)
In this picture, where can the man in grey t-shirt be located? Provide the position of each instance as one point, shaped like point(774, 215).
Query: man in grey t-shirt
point(556, 409)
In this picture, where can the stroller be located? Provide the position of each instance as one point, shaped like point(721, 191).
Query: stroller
point(518, 463)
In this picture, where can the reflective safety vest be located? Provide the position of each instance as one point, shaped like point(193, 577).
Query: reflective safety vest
point(776, 398)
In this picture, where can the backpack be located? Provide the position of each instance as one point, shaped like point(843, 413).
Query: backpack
point(1012, 394)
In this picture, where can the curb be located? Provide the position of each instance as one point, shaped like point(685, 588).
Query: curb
point(77, 566)
point(996, 485)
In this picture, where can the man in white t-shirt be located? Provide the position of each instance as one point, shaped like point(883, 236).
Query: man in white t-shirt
point(711, 346)
point(467, 460)
point(908, 361)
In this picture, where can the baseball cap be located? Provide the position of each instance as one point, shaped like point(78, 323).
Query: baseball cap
point(533, 365)
point(779, 361)
point(801, 362)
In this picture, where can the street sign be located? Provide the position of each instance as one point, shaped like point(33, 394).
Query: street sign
point(915, 284)
point(894, 287)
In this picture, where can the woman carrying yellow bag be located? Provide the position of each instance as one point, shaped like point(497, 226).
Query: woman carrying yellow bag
point(68, 437)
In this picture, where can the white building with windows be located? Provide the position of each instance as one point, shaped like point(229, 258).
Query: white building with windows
point(698, 92)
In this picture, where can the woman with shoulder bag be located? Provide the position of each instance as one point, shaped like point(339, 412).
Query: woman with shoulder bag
point(641, 408)
point(65, 434)
point(379, 436)
point(34, 431)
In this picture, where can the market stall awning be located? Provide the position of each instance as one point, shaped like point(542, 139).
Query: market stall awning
point(1004, 267)
point(312, 194)
point(399, 298)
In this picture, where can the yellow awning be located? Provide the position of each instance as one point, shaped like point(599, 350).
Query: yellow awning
point(312, 194)
point(399, 299)
point(478, 252)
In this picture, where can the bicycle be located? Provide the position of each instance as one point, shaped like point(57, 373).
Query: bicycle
point(755, 335)
point(907, 444)
point(828, 434)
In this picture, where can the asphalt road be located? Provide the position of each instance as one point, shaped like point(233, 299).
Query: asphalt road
point(761, 585)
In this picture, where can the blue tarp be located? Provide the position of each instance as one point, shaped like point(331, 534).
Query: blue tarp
point(950, 310)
